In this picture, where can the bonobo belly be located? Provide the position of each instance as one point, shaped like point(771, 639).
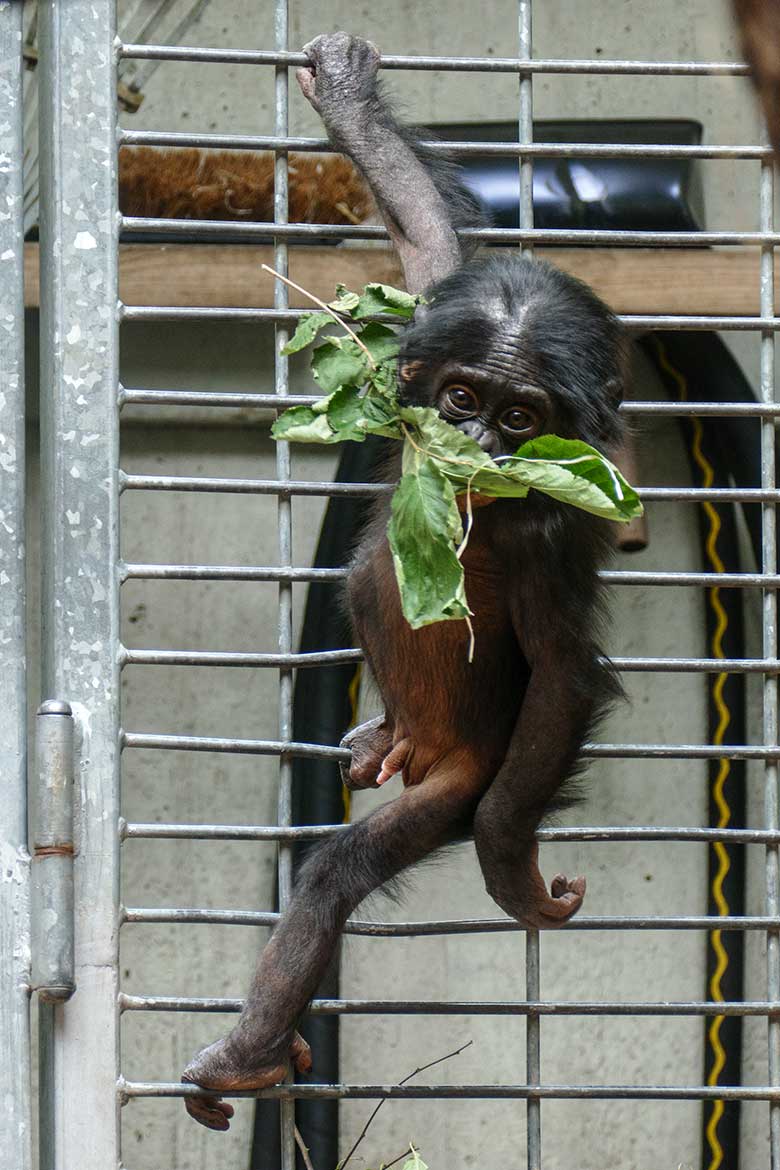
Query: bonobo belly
point(432, 694)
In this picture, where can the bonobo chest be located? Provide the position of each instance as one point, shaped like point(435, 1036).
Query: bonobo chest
point(425, 676)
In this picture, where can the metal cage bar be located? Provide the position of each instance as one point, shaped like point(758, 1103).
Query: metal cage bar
point(79, 337)
point(15, 1121)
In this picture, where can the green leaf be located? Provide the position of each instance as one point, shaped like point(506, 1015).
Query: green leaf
point(575, 473)
point(308, 328)
point(383, 298)
point(380, 340)
point(345, 414)
point(306, 424)
point(339, 362)
point(424, 526)
point(415, 1162)
point(346, 302)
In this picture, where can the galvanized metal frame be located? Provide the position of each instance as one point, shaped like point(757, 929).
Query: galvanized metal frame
point(79, 345)
point(15, 1117)
point(80, 499)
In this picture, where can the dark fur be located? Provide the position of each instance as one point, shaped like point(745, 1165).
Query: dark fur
point(484, 746)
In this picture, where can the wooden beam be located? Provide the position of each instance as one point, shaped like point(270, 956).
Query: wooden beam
point(632, 280)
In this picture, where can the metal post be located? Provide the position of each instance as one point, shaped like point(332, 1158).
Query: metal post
point(284, 517)
point(525, 136)
point(15, 1145)
point(79, 449)
point(770, 722)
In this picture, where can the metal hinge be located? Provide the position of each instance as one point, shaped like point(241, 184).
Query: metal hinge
point(52, 854)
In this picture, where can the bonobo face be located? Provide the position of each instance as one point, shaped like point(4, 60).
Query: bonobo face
point(498, 415)
point(499, 418)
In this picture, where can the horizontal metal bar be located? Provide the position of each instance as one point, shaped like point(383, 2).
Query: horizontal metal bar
point(214, 229)
point(705, 580)
point(129, 571)
point(698, 665)
point(461, 64)
point(633, 321)
point(269, 747)
point(162, 831)
point(258, 487)
point(331, 657)
point(304, 487)
point(130, 1089)
point(162, 572)
point(706, 150)
point(679, 751)
point(235, 658)
point(168, 832)
point(589, 751)
point(192, 915)
point(438, 1007)
point(141, 397)
point(250, 747)
point(208, 398)
point(740, 409)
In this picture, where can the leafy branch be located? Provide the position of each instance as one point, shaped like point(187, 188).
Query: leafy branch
point(357, 373)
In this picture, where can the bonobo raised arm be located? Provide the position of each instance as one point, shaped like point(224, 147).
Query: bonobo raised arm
point(419, 201)
point(507, 349)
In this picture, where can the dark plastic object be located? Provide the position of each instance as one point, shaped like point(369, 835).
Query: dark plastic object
point(631, 194)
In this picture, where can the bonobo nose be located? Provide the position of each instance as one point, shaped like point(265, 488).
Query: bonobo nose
point(483, 436)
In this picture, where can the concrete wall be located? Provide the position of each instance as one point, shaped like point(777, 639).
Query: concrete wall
point(199, 960)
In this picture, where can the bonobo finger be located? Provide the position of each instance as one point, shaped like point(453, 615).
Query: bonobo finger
point(300, 1054)
point(210, 1111)
point(305, 79)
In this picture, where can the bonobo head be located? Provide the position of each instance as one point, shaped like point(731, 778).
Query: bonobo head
point(509, 349)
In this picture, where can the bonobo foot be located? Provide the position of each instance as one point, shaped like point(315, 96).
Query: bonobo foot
point(221, 1067)
point(370, 744)
point(519, 889)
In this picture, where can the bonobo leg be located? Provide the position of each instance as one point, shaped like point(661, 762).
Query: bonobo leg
point(559, 704)
point(344, 871)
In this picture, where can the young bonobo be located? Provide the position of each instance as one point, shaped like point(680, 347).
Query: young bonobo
point(506, 349)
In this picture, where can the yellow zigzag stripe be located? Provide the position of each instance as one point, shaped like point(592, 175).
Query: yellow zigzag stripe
point(724, 812)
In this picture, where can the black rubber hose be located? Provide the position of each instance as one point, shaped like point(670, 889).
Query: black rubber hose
point(322, 712)
point(699, 368)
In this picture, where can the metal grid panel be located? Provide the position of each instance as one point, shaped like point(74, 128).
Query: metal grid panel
point(285, 573)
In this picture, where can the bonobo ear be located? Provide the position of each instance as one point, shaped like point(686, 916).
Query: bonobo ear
point(409, 371)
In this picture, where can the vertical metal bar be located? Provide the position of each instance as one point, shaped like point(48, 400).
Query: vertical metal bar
point(525, 127)
point(769, 541)
point(284, 515)
point(15, 1144)
point(525, 135)
point(79, 478)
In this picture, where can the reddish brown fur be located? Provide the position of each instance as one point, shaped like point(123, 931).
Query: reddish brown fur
point(238, 185)
point(759, 23)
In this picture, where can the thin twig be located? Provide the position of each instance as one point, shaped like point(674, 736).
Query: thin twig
point(422, 1068)
point(303, 1148)
point(405, 1154)
point(339, 320)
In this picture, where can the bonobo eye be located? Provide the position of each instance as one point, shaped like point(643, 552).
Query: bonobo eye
point(460, 400)
point(519, 420)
